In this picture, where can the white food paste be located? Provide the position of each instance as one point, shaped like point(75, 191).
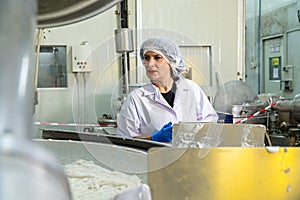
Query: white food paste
point(89, 181)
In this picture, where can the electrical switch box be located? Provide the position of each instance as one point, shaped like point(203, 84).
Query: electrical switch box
point(287, 78)
point(81, 58)
point(287, 73)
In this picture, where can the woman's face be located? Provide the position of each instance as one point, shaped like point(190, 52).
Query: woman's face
point(157, 68)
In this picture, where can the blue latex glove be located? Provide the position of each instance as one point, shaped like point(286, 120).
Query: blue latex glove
point(164, 134)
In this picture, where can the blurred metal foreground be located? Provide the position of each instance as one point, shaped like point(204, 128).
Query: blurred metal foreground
point(224, 173)
point(27, 171)
point(30, 172)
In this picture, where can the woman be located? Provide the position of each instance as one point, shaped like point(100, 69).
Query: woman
point(168, 98)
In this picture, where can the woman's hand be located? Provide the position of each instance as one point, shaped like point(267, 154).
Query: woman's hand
point(164, 134)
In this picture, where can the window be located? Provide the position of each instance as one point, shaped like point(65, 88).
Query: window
point(52, 70)
point(197, 59)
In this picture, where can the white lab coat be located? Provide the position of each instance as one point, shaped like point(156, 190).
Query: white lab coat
point(145, 109)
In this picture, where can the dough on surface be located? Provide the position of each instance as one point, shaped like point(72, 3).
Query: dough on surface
point(89, 181)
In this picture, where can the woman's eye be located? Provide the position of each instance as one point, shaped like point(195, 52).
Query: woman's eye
point(157, 57)
point(147, 58)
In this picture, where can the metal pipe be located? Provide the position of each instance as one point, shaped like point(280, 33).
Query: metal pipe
point(17, 67)
point(124, 14)
point(24, 166)
point(258, 45)
point(139, 37)
point(125, 62)
point(125, 55)
point(126, 76)
point(40, 33)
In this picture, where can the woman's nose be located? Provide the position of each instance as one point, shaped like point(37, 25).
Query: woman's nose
point(151, 61)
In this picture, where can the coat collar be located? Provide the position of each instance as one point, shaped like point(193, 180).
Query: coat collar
point(150, 89)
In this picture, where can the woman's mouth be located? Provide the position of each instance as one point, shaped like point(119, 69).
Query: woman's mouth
point(151, 71)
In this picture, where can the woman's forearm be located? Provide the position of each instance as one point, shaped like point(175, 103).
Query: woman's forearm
point(145, 137)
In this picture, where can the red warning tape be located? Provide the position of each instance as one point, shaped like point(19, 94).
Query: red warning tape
point(63, 124)
point(257, 113)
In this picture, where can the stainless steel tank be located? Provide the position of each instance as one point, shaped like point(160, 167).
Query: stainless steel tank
point(296, 107)
point(53, 13)
point(233, 93)
point(127, 160)
point(114, 157)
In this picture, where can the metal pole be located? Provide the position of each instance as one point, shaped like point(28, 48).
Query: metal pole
point(17, 76)
point(126, 75)
point(27, 171)
point(258, 46)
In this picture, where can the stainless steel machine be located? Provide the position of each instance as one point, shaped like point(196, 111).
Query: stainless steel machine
point(281, 120)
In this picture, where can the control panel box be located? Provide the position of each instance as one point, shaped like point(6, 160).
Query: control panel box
point(81, 58)
point(287, 73)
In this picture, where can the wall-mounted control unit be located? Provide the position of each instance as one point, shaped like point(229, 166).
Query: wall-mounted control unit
point(287, 77)
point(81, 58)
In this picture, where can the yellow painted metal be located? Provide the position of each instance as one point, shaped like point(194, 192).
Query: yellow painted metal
point(224, 173)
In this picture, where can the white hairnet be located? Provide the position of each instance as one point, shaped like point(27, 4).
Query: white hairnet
point(168, 49)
